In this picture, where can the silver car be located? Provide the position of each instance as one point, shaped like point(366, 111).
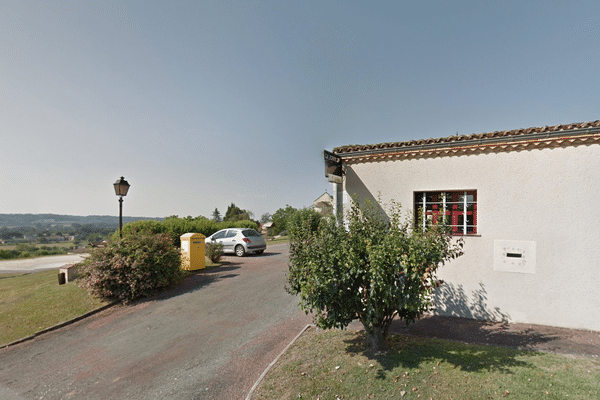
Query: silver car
point(239, 241)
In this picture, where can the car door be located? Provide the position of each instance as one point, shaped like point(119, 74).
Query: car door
point(219, 237)
point(229, 241)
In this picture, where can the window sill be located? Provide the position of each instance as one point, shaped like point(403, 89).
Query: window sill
point(475, 235)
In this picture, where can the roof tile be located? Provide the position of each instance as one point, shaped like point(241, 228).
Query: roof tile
point(457, 138)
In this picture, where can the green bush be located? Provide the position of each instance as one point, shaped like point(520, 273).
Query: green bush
point(27, 250)
point(152, 226)
point(9, 254)
point(214, 251)
point(26, 247)
point(303, 221)
point(141, 264)
point(179, 226)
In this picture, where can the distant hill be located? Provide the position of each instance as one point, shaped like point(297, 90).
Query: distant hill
point(38, 220)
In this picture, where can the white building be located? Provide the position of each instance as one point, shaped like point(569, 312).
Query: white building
point(323, 204)
point(532, 226)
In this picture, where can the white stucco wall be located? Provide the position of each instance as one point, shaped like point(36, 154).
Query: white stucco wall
point(545, 198)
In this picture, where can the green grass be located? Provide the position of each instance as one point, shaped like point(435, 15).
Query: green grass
point(33, 302)
point(284, 239)
point(339, 365)
point(65, 244)
point(30, 303)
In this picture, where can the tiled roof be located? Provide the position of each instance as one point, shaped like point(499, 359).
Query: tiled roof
point(464, 144)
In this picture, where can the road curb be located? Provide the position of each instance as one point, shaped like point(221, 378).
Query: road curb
point(58, 326)
point(260, 378)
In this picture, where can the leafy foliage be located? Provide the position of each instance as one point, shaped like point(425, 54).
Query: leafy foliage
point(214, 251)
point(281, 218)
point(216, 215)
point(24, 250)
point(139, 265)
point(234, 213)
point(178, 226)
point(376, 269)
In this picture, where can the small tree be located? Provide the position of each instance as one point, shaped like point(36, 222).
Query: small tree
point(266, 217)
point(281, 217)
point(376, 269)
point(216, 215)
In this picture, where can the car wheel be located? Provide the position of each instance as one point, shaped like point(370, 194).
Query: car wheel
point(239, 251)
point(259, 252)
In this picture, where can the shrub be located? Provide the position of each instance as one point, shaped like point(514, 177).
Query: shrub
point(8, 254)
point(134, 227)
point(214, 251)
point(179, 226)
point(374, 269)
point(139, 265)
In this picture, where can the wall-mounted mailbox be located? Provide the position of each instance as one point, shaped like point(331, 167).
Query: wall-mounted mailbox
point(515, 256)
point(192, 251)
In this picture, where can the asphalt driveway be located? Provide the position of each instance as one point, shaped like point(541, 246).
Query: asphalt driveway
point(209, 339)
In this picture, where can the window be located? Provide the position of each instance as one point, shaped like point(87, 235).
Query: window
point(458, 207)
point(219, 235)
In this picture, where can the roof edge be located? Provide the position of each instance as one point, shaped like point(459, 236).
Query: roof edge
point(541, 133)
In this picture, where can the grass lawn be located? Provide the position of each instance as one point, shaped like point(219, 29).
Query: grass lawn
point(284, 239)
point(338, 365)
point(33, 302)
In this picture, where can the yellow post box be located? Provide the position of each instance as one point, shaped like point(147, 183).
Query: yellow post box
point(192, 251)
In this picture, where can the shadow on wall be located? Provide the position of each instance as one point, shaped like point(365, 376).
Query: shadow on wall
point(452, 301)
point(468, 319)
point(359, 192)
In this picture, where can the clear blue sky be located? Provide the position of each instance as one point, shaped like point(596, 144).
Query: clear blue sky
point(203, 103)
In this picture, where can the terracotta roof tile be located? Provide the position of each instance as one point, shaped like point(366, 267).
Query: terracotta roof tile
point(498, 134)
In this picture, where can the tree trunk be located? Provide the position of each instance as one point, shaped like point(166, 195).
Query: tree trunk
point(376, 336)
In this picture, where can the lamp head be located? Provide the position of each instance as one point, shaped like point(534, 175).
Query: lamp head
point(121, 187)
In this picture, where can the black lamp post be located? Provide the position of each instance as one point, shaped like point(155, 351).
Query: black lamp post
point(121, 188)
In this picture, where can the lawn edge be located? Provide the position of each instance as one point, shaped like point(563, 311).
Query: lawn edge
point(261, 377)
point(60, 325)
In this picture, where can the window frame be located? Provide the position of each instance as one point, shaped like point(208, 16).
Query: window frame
point(428, 205)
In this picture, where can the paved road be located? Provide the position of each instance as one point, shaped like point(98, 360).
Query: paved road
point(209, 339)
point(40, 263)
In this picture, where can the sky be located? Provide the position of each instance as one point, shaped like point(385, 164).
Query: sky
point(200, 104)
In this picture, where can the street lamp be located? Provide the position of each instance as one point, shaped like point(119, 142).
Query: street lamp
point(121, 188)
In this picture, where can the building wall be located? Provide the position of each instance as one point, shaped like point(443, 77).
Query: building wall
point(545, 201)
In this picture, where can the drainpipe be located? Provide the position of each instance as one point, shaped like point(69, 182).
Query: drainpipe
point(338, 208)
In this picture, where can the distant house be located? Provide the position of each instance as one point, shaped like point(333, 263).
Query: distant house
point(524, 201)
point(266, 229)
point(323, 204)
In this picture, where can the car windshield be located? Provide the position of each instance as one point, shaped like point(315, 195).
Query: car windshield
point(250, 232)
